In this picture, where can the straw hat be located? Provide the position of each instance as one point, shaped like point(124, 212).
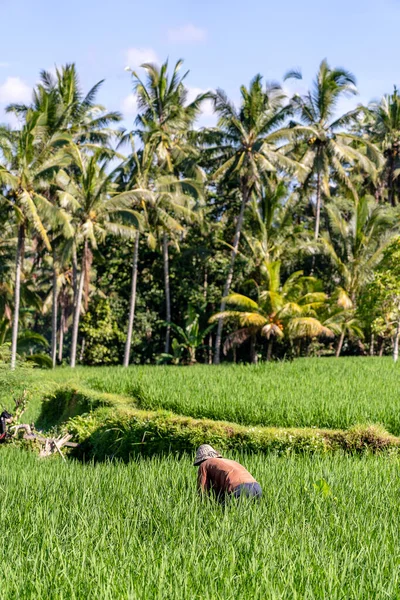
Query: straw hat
point(204, 452)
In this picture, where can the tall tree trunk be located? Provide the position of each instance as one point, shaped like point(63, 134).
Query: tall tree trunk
point(210, 343)
point(382, 347)
point(74, 272)
point(82, 352)
point(77, 308)
point(192, 355)
point(269, 348)
point(318, 208)
point(132, 301)
point(167, 291)
point(17, 293)
point(54, 312)
point(61, 334)
point(340, 344)
point(391, 194)
point(372, 346)
point(253, 352)
point(396, 343)
point(235, 248)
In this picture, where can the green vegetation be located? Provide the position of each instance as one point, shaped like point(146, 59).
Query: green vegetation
point(326, 527)
point(305, 393)
point(263, 237)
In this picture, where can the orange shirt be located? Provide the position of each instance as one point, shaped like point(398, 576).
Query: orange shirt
point(222, 475)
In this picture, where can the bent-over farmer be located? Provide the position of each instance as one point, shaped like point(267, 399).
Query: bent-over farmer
point(223, 476)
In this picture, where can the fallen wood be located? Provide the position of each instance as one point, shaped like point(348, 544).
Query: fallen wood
point(17, 429)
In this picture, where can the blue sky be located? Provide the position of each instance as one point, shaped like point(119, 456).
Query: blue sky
point(224, 43)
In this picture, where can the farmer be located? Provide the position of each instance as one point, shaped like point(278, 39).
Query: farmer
point(225, 477)
point(5, 419)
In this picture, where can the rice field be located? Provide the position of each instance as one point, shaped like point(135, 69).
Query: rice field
point(328, 525)
point(324, 393)
point(139, 531)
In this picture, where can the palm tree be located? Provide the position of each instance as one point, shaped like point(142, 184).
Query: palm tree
point(32, 156)
point(68, 109)
point(273, 232)
point(164, 125)
point(382, 126)
point(167, 204)
point(342, 318)
point(165, 117)
point(131, 175)
point(289, 308)
point(326, 148)
point(97, 211)
point(191, 335)
point(356, 239)
point(59, 98)
point(246, 149)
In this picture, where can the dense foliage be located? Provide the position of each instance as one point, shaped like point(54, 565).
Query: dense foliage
point(272, 235)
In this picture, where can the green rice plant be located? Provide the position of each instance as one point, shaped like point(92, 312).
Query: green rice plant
point(326, 527)
point(324, 393)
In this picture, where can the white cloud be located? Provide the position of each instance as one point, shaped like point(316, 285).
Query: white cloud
point(129, 105)
point(14, 90)
point(135, 57)
point(187, 33)
point(207, 109)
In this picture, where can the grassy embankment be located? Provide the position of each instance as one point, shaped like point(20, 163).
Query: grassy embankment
point(307, 405)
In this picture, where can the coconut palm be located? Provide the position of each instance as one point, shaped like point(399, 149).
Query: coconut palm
point(382, 126)
point(273, 232)
point(357, 237)
point(282, 309)
point(326, 148)
point(89, 194)
point(60, 99)
point(342, 318)
point(68, 109)
point(247, 148)
point(32, 156)
point(165, 116)
point(167, 204)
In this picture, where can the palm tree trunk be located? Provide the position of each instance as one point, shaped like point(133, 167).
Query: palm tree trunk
point(269, 348)
point(218, 337)
point(340, 344)
point(17, 293)
point(167, 291)
point(372, 346)
point(61, 334)
point(382, 347)
point(74, 272)
point(132, 302)
point(318, 208)
point(210, 357)
point(391, 194)
point(396, 343)
point(253, 353)
point(82, 352)
point(54, 313)
point(77, 308)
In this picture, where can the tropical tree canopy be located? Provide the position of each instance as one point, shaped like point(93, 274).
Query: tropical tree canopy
point(271, 234)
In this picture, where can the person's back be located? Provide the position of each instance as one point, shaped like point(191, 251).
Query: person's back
point(223, 476)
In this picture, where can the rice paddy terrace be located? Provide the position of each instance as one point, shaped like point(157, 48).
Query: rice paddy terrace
point(321, 436)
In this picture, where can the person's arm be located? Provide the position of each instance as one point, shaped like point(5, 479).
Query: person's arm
point(202, 478)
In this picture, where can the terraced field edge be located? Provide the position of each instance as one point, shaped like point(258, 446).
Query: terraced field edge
point(111, 426)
